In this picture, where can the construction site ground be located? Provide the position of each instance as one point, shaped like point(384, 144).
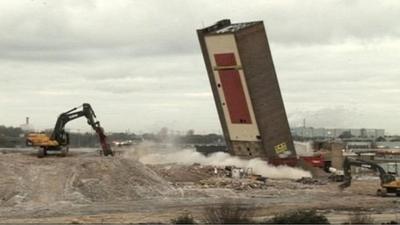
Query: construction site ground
point(87, 188)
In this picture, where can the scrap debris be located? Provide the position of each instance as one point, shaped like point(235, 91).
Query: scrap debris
point(309, 180)
point(235, 184)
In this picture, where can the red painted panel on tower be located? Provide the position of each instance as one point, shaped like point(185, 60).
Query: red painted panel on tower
point(225, 59)
point(234, 96)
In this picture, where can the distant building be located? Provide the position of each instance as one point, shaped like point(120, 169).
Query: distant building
point(26, 127)
point(311, 132)
point(388, 144)
point(358, 145)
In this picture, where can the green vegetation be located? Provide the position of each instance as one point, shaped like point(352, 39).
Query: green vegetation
point(360, 218)
point(11, 137)
point(300, 217)
point(199, 139)
point(184, 219)
point(233, 213)
point(228, 213)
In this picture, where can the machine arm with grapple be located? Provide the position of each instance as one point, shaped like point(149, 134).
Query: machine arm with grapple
point(59, 139)
point(389, 183)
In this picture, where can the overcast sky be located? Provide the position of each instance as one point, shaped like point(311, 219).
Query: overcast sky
point(139, 63)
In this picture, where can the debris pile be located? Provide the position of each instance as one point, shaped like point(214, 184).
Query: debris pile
point(185, 173)
point(309, 180)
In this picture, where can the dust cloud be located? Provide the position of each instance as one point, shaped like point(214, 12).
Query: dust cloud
point(148, 153)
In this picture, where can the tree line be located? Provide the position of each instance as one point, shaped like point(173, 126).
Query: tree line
point(11, 137)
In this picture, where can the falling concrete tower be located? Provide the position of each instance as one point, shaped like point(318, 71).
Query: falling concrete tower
point(246, 90)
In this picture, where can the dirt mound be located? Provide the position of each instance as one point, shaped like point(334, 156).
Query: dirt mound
point(26, 178)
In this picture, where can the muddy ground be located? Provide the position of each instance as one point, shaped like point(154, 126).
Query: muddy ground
point(85, 187)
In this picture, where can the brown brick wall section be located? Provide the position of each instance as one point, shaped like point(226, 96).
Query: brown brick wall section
point(264, 89)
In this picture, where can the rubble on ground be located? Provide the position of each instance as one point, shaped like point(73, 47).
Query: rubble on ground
point(232, 183)
point(184, 173)
point(84, 187)
point(210, 176)
point(309, 180)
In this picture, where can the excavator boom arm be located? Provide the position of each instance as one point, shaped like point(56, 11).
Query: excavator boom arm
point(349, 162)
point(61, 136)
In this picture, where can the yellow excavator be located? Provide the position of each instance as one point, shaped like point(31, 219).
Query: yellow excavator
point(389, 184)
point(59, 139)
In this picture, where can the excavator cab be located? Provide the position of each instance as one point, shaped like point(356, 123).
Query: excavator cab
point(59, 139)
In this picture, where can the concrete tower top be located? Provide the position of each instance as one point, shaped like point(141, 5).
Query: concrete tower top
point(225, 26)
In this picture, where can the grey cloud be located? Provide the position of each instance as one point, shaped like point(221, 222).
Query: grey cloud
point(69, 30)
point(344, 116)
point(335, 60)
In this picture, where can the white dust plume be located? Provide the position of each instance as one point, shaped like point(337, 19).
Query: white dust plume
point(148, 154)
